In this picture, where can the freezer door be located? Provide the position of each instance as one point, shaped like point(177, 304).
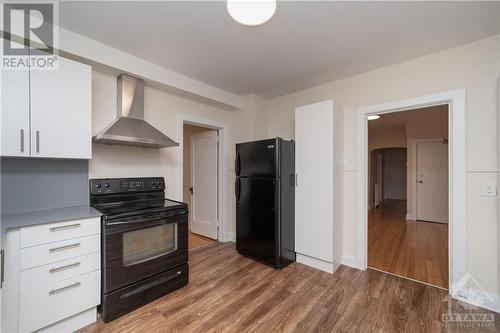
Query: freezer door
point(256, 159)
point(256, 220)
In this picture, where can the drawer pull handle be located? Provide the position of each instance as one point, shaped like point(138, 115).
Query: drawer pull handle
point(64, 227)
point(62, 268)
point(65, 247)
point(22, 140)
point(59, 290)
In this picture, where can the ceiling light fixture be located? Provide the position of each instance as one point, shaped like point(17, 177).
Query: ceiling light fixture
point(373, 117)
point(251, 12)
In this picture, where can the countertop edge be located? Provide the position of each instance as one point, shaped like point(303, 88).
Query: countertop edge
point(32, 218)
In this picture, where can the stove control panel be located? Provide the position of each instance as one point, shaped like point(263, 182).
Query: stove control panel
point(126, 185)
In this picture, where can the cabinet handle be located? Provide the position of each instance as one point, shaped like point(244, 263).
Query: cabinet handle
point(37, 141)
point(64, 227)
point(62, 268)
point(296, 179)
point(58, 290)
point(2, 267)
point(22, 140)
point(62, 248)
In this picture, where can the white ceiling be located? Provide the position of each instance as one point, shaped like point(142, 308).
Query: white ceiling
point(306, 43)
point(423, 116)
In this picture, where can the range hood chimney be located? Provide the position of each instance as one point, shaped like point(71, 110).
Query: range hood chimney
point(130, 128)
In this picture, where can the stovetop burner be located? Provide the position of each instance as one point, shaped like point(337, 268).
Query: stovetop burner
point(115, 197)
point(137, 207)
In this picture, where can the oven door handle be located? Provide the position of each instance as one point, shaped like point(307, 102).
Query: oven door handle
point(149, 219)
point(117, 223)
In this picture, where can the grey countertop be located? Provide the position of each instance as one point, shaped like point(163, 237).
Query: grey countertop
point(16, 220)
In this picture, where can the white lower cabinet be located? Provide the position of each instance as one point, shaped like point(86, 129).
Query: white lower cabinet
point(54, 286)
point(41, 306)
point(55, 252)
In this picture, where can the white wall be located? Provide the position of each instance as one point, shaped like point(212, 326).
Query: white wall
point(473, 66)
point(161, 110)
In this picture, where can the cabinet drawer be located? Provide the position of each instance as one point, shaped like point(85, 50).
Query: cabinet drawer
point(60, 270)
point(43, 305)
point(53, 232)
point(51, 253)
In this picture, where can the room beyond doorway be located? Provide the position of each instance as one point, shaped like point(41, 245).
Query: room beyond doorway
point(408, 194)
point(200, 173)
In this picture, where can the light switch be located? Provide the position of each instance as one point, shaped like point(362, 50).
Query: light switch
point(489, 190)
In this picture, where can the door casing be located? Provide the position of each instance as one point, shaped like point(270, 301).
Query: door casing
point(224, 177)
point(457, 237)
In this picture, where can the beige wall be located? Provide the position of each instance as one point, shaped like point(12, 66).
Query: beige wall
point(472, 66)
point(378, 138)
point(161, 110)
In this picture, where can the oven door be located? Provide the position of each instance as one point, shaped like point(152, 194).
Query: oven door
point(139, 247)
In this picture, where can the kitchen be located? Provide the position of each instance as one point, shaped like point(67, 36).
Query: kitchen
point(60, 159)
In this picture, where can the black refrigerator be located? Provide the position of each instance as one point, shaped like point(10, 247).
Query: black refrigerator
point(265, 201)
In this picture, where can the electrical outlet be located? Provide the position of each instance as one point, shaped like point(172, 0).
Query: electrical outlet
point(489, 190)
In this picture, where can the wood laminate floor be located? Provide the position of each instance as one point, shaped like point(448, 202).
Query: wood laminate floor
point(231, 293)
point(414, 249)
point(195, 241)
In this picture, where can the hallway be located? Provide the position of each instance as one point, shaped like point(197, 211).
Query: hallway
point(414, 249)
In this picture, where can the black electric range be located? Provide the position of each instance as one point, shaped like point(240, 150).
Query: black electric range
point(144, 242)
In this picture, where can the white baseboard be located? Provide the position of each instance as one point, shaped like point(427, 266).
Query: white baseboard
point(352, 261)
point(410, 216)
point(72, 323)
point(322, 265)
point(228, 237)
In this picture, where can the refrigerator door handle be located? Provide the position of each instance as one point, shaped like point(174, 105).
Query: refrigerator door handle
point(237, 164)
point(237, 188)
point(296, 179)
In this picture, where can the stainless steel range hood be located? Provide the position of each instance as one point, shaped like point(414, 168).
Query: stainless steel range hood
point(130, 128)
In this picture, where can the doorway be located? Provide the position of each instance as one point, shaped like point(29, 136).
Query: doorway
point(200, 183)
point(408, 211)
point(387, 175)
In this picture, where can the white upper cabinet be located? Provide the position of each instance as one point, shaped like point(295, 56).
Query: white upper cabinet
point(15, 112)
point(47, 113)
point(61, 111)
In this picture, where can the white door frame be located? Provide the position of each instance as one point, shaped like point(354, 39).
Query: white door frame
point(456, 200)
point(223, 234)
point(414, 143)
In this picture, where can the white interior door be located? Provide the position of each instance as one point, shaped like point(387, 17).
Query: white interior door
point(432, 181)
point(204, 184)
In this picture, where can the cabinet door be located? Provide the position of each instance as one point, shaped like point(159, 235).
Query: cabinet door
point(314, 192)
point(15, 112)
point(61, 111)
